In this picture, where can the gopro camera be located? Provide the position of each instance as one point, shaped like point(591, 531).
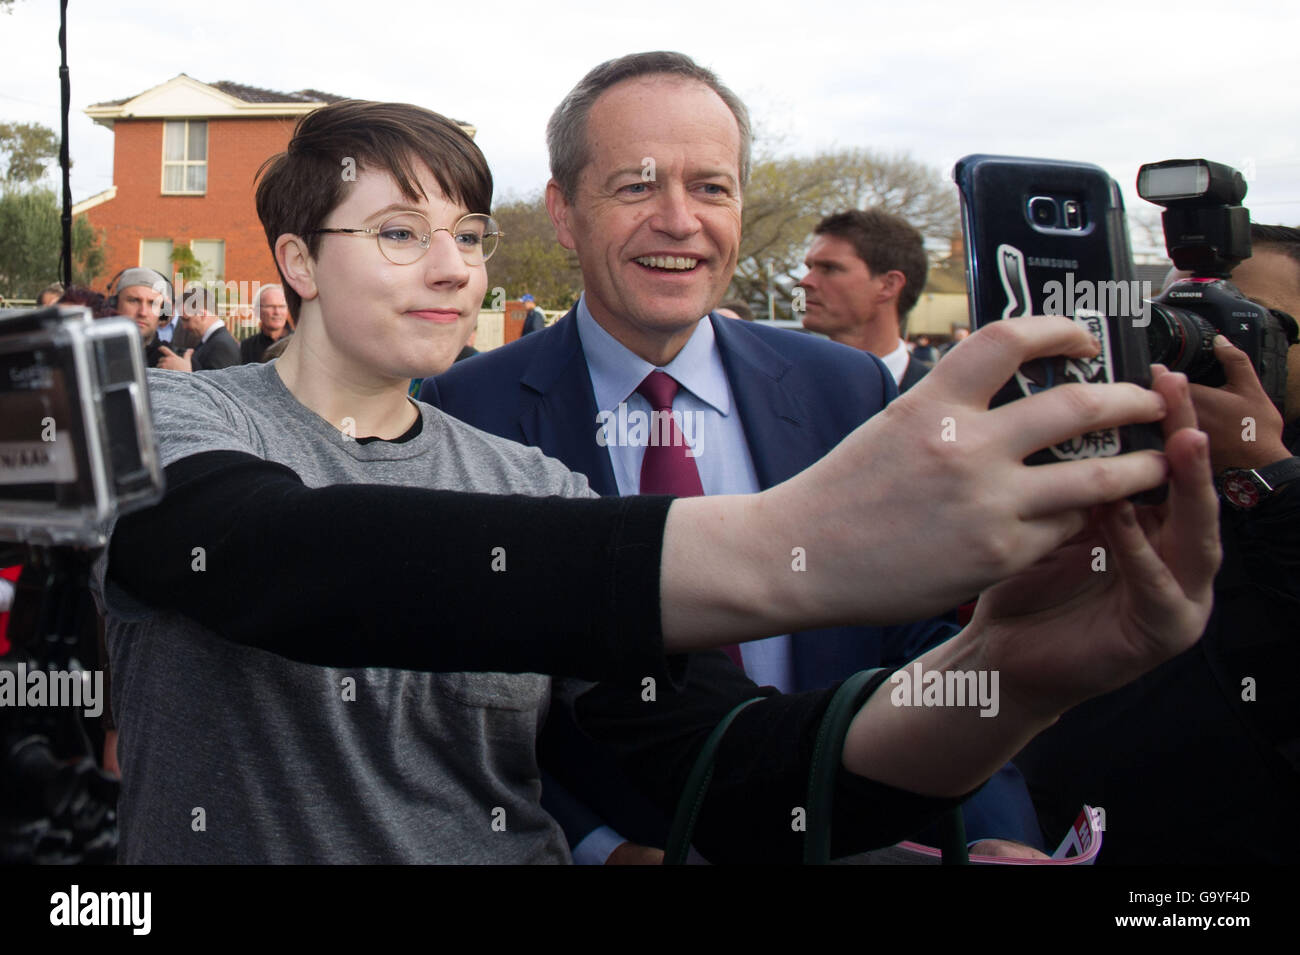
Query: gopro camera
point(76, 433)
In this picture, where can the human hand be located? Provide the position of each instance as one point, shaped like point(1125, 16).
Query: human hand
point(110, 763)
point(939, 456)
point(1244, 427)
point(1134, 589)
point(629, 853)
point(1006, 849)
point(174, 362)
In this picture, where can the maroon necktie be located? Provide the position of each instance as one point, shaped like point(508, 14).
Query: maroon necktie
point(666, 468)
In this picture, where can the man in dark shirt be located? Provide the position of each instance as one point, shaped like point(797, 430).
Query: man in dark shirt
point(273, 314)
point(143, 295)
point(1229, 703)
point(216, 347)
point(535, 320)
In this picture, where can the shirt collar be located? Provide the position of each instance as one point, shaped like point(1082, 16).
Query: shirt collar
point(616, 370)
point(896, 361)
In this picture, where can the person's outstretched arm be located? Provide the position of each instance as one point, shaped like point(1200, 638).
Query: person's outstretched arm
point(725, 564)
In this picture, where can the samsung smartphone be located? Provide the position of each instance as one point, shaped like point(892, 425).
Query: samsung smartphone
point(1048, 237)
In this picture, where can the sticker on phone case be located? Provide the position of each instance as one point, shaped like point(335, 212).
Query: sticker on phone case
point(1011, 269)
point(1044, 373)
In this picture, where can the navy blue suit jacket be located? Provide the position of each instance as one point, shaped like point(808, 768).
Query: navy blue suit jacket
point(797, 397)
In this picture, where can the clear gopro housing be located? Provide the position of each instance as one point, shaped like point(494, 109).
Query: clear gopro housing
point(76, 431)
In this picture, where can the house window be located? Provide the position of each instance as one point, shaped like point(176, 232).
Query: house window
point(185, 157)
point(211, 254)
point(156, 254)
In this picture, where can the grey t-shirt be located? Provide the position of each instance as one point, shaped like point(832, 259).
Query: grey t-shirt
point(232, 754)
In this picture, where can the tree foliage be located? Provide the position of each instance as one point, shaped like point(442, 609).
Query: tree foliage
point(787, 197)
point(31, 230)
point(31, 240)
point(26, 149)
point(530, 259)
point(186, 264)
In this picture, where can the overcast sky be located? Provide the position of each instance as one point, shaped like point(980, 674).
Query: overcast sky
point(1114, 83)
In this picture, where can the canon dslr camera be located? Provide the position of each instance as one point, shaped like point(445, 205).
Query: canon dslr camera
point(1207, 233)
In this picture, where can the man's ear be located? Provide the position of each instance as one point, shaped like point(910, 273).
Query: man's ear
point(296, 265)
point(891, 285)
point(559, 210)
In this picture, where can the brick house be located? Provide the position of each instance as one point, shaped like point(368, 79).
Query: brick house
point(185, 154)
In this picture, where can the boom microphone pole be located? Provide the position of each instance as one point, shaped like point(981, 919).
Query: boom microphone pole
point(65, 162)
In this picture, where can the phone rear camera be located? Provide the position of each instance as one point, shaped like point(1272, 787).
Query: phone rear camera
point(1073, 214)
point(1042, 211)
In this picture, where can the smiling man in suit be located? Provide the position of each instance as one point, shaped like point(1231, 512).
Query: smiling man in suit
point(644, 390)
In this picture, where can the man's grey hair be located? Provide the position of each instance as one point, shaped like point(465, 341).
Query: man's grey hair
point(257, 299)
point(566, 133)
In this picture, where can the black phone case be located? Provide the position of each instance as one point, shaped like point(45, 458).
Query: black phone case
point(1011, 264)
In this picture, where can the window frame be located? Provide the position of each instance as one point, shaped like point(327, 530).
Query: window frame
point(187, 162)
point(171, 248)
point(220, 275)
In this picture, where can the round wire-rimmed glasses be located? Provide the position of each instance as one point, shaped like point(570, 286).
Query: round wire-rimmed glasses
point(404, 237)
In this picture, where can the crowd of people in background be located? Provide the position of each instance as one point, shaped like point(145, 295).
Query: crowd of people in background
point(193, 338)
point(172, 341)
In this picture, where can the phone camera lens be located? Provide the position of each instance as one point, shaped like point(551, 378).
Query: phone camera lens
point(1042, 210)
point(1073, 215)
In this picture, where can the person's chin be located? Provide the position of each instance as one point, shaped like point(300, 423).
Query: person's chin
point(813, 323)
point(668, 311)
point(663, 321)
point(433, 362)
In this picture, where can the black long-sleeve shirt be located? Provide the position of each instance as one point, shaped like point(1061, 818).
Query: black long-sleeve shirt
point(365, 605)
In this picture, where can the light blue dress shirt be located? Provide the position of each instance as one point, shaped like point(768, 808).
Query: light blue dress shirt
point(710, 425)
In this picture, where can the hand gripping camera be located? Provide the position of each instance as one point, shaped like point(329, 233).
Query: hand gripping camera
point(1207, 233)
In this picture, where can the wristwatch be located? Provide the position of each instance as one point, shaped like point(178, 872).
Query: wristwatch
point(1244, 488)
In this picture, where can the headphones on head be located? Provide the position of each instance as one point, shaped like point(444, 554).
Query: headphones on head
point(165, 309)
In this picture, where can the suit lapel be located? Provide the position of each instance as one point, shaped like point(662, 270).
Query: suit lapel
point(913, 373)
point(558, 407)
point(777, 425)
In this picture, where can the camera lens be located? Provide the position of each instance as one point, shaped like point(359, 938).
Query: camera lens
point(1073, 215)
point(1042, 211)
point(1182, 341)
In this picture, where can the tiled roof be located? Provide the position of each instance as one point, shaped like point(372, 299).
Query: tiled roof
point(255, 94)
point(251, 94)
